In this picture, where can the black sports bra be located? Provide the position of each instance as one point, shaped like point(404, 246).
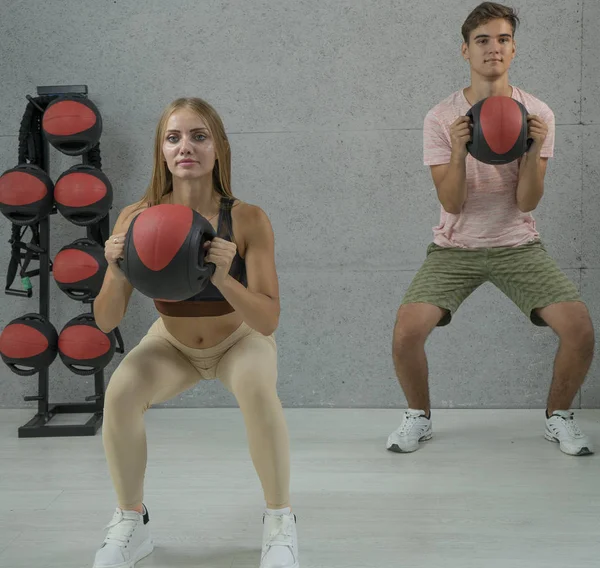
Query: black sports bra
point(210, 302)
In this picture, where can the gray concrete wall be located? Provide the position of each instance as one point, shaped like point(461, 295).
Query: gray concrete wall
point(324, 103)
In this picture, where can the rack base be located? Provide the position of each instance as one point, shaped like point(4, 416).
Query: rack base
point(40, 425)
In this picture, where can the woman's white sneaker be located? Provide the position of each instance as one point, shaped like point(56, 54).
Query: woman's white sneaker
point(279, 542)
point(415, 428)
point(561, 427)
point(127, 541)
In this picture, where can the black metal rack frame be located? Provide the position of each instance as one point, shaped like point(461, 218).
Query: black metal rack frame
point(41, 424)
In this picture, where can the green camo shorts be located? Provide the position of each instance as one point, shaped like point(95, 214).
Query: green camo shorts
point(526, 274)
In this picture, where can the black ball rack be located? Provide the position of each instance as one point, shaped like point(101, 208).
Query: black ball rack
point(41, 424)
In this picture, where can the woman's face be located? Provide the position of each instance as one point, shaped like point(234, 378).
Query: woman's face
point(188, 146)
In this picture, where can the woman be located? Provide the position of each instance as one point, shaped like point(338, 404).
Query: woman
point(225, 332)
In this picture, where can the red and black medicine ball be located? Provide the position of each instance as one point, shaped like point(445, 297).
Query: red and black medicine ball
point(72, 125)
point(26, 194)
point(164, 252)
point(79, 269)
point(83, 347)
point(83, 195)
point(499, 130)
point(29, 344)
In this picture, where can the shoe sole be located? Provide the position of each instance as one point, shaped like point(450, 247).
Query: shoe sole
point(585, 451)
point(398, 450)
point(297, 565)
point(144, 550)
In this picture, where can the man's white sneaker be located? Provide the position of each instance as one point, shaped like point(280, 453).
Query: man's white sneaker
point(127, 541)
point(561, 427)
point(279, 541)
point(415, 428)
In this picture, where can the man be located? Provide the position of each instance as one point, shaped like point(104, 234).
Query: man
point(487, 233)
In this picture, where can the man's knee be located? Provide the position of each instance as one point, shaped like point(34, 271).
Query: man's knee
point(414, 323)
point(572, 323)
point(582, 335)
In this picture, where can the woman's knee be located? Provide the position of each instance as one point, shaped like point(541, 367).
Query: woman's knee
point(124, 392)
point(255, 388)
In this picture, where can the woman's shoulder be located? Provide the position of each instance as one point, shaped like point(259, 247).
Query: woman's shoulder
point(129, 213)
point(248, 214)
point(250, 224)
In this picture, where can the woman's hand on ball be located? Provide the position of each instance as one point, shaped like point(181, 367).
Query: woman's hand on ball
point(221, 253)
point(114, 247)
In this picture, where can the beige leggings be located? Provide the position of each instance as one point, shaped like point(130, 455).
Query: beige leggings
point(159, 368)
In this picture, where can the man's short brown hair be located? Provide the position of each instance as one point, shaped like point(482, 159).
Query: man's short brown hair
point(485, 12)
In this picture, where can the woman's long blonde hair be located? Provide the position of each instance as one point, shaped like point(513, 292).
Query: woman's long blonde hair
point(161, 182)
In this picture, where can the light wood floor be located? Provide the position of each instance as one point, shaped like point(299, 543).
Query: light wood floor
point(487, 492)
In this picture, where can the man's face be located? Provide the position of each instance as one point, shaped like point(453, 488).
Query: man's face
point(491, 48)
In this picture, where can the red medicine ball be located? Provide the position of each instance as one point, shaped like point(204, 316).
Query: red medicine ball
point(83, 195)
point(72, 125)
point(26, 194)
point(83, 347)
point(79, 269)
point(499, 130)
point(28, 344)
point(164, 252)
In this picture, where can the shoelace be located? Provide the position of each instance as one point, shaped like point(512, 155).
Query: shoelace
point(572, 426)
point(408, 423)
point(120, 530)
point(281, 531)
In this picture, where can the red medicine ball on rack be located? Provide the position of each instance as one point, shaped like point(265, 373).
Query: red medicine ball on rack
point(499, 130)
point(164, 252)
point(29, 344)
point(83, 347)
point(26, 194)
point(72, 125)
point(83, 195)
point(79, 269)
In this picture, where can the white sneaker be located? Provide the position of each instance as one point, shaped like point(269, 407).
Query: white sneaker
point(561, 427)
point(415, 428)
point(279, 542)
point(128, 540)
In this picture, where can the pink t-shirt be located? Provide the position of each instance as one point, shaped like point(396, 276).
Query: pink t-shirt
point(490, 216)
